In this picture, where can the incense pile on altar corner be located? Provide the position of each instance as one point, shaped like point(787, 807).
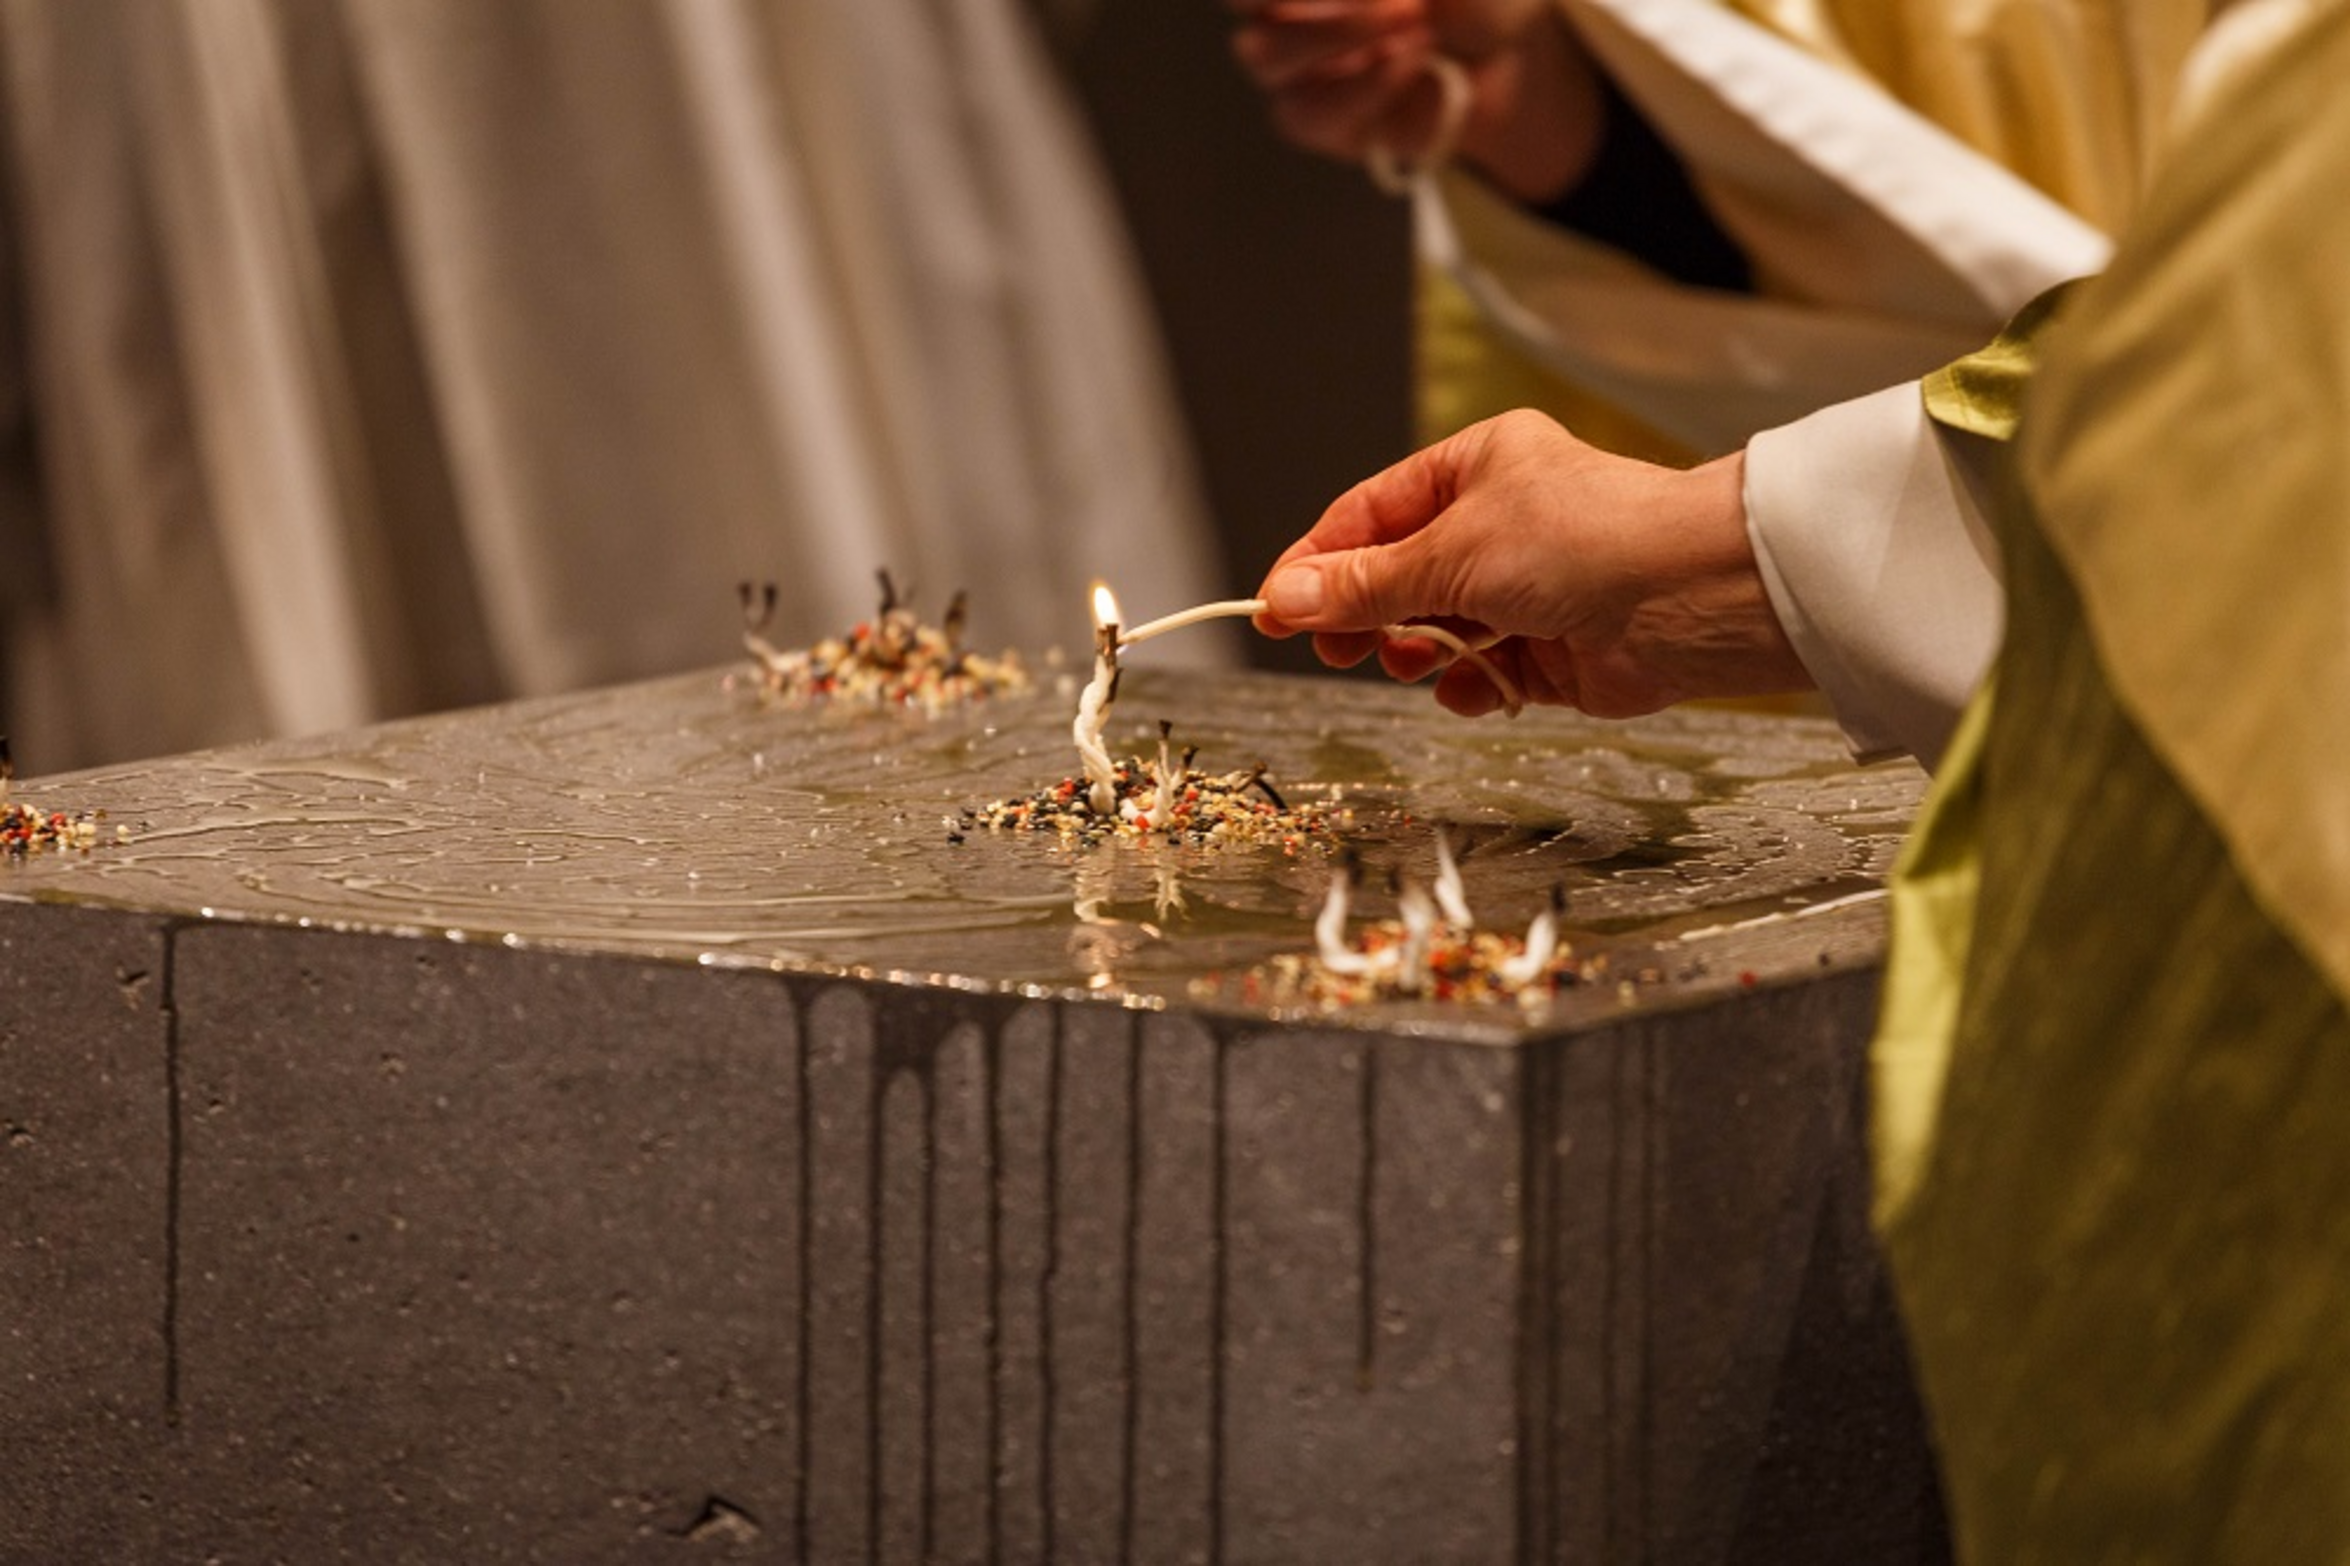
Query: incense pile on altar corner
point(891, 660)
point(28, 829)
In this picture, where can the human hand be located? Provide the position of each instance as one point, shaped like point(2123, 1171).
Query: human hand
point(1342, 76)
point(1592, 580)
point(1345, 77)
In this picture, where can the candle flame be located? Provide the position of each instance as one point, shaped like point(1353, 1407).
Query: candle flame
point(1105, 606)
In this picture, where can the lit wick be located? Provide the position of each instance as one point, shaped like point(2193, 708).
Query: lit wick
point(1450, 895)
point(1093, 706)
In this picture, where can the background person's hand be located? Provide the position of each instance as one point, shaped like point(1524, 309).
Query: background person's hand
point(1601, 583)
point(1342, 77)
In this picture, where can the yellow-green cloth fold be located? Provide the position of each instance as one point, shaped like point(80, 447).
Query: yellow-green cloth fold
point(2124, 1255)
point(1983, 393)
point(2071, 94)
point(2114, 1077)
point(2191, 454)
point(1934, 890)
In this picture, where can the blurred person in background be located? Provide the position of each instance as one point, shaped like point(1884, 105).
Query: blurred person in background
point(1672, 223)
point(363, 357)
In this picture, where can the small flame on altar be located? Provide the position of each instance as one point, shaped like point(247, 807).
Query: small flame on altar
point(1093, 705)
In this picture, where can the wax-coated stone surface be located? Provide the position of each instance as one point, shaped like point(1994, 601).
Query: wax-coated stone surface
point(628, 1128)
point(683, 819)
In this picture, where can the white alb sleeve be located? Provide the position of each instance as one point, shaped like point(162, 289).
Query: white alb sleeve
point(1870, 523)
point(1883, 246)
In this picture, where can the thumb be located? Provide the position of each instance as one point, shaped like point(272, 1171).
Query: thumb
point(1347, 589)
point(1355, 568)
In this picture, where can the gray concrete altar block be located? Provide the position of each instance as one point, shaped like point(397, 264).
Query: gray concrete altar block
point(85, 1224)
point(482, 1253)
point(445, 1144)
point(1727, 1381)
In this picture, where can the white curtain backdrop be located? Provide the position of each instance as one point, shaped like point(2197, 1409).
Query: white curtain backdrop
point(369, 356)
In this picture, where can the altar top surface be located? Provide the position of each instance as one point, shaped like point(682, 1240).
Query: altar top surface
point(691, 819)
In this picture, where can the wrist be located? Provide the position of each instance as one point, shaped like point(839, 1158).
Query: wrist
point(1726, 638)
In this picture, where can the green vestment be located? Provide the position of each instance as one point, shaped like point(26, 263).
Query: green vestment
point(2114, 1080)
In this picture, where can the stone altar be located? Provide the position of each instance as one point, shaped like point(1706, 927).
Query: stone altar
point(630, 1127)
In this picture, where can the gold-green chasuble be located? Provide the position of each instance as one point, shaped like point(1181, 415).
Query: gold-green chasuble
point(2114, 1077)
point(2071, 95)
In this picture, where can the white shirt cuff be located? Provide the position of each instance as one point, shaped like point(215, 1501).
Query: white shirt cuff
point(1870, 524)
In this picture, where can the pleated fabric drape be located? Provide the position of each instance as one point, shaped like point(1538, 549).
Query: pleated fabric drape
point(371, 356)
